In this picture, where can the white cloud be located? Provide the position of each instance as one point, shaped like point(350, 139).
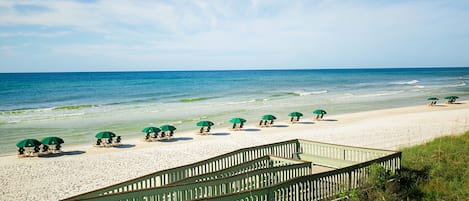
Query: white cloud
point(300, 33)
point(34, 34)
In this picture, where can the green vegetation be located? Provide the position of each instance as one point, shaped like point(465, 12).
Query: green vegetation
point(72, 107)
point(438, 170)
point(188, 100)
point(293, 93)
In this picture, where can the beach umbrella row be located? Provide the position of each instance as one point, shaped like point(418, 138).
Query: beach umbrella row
point(163, 128)
point(156, 131)
point(28, 143)
point(451, 99)
point(35, 143)
point(447, 98)
point(45, 142)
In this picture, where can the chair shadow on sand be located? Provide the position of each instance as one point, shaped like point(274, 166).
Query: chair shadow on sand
point(251, 129)
point(329, 120)
point(124, 146)
point(279, 126)
point(305, 122)
point(177, 139)
point(220, 134)
point(64, 153)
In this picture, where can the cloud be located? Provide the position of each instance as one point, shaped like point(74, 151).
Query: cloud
point(250, 33)
point(34, 34)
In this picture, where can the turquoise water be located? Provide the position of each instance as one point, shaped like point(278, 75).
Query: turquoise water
point(75, 106)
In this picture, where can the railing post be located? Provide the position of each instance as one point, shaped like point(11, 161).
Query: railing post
point(349, 179)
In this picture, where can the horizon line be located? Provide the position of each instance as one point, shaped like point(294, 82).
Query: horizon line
point(228, 69)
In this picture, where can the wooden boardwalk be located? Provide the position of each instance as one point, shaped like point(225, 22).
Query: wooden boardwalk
point(289, 170)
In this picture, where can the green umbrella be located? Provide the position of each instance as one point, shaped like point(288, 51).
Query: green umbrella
point(237, 120)
point(269, 117)
point(52, 140)
point(105, 134)
point(451, 97)
point(319, 111)
point(295, 114)
point(432, 98)
point(205, 123)
point(167, 128)
point(28, 143)
point(151, 129)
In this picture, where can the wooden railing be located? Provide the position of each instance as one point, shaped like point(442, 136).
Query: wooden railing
point(260, 163)
point(205, 189)
point(321, 186)
point(230, 176)
point(340, 152)
point(283, 149)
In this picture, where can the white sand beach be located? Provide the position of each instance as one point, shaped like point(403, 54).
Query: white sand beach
point(84, 168)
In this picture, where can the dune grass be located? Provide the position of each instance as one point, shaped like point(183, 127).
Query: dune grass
point(444, 167)
point(437, 170)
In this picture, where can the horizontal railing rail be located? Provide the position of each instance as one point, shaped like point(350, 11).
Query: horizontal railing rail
point(340, 152)
point(260, 163)
point(204, 189)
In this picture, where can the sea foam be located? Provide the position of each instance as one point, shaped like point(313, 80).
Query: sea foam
point(405, 82)
point(307, 93)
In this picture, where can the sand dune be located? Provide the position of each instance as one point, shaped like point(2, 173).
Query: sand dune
point(84, 168)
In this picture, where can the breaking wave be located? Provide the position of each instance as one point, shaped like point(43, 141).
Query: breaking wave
point(307, 93)
point(405, 82)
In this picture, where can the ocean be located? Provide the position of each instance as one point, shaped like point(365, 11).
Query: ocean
point(75, 106)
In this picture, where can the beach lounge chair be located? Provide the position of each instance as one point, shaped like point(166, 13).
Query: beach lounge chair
point(21, 152)
point(153, 137)
point(117, 141)
point(295, 120)
point(36, 151)
point(99, 142)
point(201, 130)
point(317, 118)
point(45, 148)
point(236, 127)
point(108, 142)
point(57, 148)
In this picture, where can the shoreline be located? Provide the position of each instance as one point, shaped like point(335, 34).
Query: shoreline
point(87, 168)
point(136, 139)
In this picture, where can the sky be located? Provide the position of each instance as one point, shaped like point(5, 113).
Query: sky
point(125, 35)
